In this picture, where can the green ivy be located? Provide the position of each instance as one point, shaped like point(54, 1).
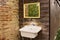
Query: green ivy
point(33, 10)
point(58, 35)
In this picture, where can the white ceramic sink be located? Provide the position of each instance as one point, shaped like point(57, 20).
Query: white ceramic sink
point(30, 31)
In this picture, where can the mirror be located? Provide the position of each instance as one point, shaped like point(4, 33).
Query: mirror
point(32, 10)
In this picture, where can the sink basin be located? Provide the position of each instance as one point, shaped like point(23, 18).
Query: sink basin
point(30, 31)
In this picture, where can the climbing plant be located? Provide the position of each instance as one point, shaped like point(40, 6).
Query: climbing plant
point(33, 10)
point(58, 35)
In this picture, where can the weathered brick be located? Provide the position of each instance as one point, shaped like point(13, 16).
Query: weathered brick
point(9, 20)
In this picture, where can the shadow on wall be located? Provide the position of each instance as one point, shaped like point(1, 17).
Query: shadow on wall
point(55, 12)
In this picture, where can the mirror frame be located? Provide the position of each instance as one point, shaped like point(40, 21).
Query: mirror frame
point(26, 8)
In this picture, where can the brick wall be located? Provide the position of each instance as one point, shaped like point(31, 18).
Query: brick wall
point(9, 20)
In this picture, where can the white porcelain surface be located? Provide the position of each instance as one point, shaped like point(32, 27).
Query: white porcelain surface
point(30, 31)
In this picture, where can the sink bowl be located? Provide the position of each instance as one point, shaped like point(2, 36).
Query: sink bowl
point(30, 31)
